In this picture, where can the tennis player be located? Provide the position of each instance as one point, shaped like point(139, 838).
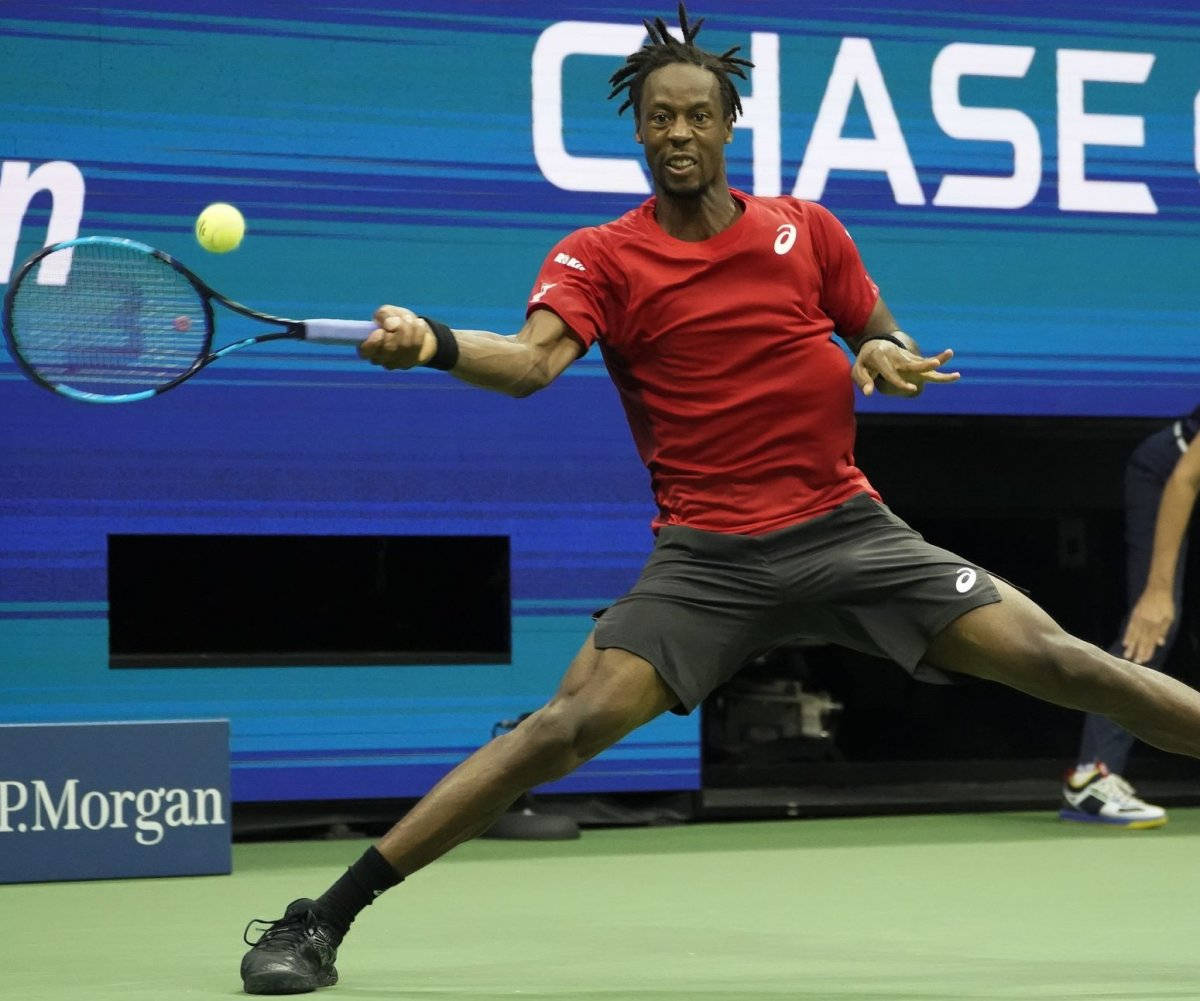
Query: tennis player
point(715, 311)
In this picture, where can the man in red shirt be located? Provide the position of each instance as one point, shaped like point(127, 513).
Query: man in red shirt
point(722, 350)
point(715, 311)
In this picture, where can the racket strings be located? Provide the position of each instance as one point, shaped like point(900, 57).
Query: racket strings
point(124, 322)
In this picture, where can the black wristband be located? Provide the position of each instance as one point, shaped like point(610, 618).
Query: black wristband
point(446, 355)
point(883, 337)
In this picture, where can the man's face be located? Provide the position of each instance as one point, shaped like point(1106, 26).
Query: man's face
point(684, 129)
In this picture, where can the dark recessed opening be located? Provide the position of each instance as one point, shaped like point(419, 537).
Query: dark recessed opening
point(276, 600)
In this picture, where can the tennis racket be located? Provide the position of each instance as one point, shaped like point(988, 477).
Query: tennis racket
point(129, 322)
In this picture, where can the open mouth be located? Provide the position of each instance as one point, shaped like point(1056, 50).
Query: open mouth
point(680, 164)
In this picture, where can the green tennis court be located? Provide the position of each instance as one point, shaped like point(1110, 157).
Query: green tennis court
point(998, 905)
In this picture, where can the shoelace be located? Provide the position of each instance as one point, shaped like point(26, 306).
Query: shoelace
point(1123, 785)
point(1120, 790)
point(294, 929)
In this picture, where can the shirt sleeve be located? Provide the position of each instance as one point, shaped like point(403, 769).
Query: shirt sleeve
point(571, 283)
point(848, 295)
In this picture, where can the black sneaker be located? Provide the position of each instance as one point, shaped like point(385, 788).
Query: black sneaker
point(293, 955)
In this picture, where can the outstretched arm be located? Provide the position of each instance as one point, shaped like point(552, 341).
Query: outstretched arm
point(889, 360)
point(1154, 612)
point(517, 364)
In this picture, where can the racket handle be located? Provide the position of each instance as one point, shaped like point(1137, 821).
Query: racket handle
point(338, 331)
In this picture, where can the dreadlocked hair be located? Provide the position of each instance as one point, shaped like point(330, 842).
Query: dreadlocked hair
point(663, 49)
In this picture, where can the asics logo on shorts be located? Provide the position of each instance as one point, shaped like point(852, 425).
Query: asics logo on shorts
point(785, 237)
point(965, 580)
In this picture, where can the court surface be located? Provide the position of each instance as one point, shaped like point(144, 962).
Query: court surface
point(1000, 905)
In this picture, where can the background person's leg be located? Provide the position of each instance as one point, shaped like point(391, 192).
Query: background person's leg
point(1102, 739)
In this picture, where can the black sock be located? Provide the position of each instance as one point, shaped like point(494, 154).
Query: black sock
point(365, 880)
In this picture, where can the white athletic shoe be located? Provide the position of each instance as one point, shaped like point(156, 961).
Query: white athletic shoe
point(1094, 795)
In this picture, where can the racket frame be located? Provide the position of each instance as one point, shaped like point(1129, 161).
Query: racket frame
point(293, 329)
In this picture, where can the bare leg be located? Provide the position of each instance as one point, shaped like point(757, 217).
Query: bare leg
point(1018, 644)
point(604, 695)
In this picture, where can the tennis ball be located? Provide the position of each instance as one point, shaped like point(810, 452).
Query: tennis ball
point(220, 228)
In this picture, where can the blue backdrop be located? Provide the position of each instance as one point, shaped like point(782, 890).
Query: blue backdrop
point(1022, 183)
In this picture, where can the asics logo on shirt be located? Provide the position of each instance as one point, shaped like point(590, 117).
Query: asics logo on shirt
point(546, 287)
point(965, 580)
point(785, 237)
point(569, 261)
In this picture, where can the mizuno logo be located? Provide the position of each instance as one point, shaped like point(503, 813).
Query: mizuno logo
point(965, 580)
point(546, 287)
point(569, 261)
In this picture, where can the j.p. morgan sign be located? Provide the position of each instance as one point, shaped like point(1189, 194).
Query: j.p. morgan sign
point(105, 800)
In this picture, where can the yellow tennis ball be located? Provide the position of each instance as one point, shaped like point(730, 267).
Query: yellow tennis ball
point(220, 228)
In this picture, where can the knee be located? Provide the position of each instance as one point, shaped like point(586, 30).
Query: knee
point(1070, 663)
point(548, 733)
point(563, 728)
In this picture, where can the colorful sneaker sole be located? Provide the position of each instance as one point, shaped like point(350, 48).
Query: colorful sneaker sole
point(1130, 825)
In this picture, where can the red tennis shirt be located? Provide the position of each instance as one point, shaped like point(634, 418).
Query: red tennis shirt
point(740, 402)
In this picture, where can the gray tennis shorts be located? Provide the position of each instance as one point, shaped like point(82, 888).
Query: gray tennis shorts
point(858, 577)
